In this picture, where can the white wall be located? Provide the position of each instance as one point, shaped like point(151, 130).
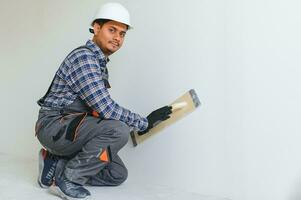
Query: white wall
point(241, 56)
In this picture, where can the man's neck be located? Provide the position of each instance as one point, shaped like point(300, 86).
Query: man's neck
point(107, 54)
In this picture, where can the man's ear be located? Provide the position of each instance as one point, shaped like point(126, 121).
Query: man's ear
point(96, 28)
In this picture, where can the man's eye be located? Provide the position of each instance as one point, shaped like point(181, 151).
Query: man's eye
point(111, 30)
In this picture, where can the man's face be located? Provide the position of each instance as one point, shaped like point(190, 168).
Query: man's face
point(110, 36)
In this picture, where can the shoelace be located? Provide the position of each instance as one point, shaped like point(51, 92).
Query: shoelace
point(70, 185)
point(51, 171)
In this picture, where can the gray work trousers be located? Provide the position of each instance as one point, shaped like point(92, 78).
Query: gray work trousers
point(80, 152)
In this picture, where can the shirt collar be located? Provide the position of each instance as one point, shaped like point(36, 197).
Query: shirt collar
point(99, 54)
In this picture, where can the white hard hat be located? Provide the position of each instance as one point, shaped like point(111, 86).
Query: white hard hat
point(115, 12)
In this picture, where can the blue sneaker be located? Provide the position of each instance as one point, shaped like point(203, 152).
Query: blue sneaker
point(69, 190)
point(47, 165)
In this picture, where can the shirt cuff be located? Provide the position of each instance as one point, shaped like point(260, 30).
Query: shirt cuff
point(143, 124)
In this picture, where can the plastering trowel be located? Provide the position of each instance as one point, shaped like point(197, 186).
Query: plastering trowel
point(180, 107)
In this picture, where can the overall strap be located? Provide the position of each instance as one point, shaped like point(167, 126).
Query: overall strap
point(41, 100)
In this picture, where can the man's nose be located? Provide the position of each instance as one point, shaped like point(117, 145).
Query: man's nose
point(117, 37)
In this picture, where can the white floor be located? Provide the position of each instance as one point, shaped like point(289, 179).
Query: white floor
point(18, 181)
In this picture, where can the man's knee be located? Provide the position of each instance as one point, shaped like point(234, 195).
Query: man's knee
point(120, 131)
point(123, 178)
point(109, 177)
point(124, 132)
point(120, 176)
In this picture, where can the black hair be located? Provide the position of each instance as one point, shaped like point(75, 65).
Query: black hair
point(101, 22)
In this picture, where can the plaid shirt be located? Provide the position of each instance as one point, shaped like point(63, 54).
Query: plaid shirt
point(83, 74)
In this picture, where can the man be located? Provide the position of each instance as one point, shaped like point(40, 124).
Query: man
point(80, 126)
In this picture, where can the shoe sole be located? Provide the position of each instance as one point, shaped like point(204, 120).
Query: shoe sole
point(58, 192)
point(41, 166)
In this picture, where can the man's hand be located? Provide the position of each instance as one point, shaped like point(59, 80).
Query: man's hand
point(156, 117)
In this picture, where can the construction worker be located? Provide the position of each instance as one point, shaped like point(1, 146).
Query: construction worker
point(80, 126)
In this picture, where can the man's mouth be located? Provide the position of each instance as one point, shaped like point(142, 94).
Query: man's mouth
point(115, 44)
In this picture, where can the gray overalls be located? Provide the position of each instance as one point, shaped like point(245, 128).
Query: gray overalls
point(87, 145)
